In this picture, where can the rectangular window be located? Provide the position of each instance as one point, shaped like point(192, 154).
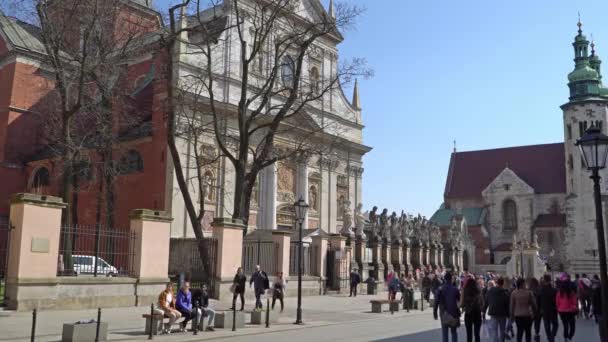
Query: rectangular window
point(569, 131)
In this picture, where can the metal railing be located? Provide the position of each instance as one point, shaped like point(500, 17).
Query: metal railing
point(96, 251)
point(185, 257)
point(306, 257)
point(263, 253)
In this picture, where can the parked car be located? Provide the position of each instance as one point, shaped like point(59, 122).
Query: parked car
point(85, 264)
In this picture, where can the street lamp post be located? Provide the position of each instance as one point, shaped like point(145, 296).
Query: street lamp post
point(594, 148)
point(300, 207)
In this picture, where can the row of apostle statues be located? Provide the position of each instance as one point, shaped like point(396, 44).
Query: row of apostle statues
point(393, 227)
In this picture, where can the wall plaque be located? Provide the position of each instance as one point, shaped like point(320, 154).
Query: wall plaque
point(40, 245)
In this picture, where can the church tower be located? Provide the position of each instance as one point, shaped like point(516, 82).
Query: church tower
point(587, 106)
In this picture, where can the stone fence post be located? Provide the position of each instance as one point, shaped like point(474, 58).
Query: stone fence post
point(152, 229)
point(319, 248)
point(229, 235)
point(34, 251)
point(283, 240)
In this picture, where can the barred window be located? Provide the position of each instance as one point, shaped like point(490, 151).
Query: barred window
point(509, 215)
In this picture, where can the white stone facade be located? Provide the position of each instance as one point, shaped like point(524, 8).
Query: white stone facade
point(325, 182)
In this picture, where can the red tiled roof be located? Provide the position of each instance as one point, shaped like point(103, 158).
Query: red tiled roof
point(540, 166)
point(503, 247)
point(550, 220)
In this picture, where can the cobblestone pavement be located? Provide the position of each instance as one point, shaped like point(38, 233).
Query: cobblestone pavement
point(327, 318)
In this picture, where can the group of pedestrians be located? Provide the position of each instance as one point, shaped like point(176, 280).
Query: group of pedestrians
point(515, 304)
point(260, 282)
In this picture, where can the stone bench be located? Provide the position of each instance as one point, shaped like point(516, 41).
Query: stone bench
point(156, 321)
point(84, 332)
point(223, 319)
point(377, 305)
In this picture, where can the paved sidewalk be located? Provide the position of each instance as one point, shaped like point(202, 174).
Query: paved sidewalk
point(127, 324)
point(326, 318)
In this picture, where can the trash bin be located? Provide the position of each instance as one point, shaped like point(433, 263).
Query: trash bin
point(372, 286)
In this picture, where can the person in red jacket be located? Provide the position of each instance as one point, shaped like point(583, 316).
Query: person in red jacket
point(567, 305)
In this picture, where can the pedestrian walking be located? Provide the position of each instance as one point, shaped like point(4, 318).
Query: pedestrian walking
point(447, 301)
point(584, 295)
point(548, 308)
point(280, 284)
point(596, 298)
point(522, 308)
point(471, 302)
point(534, 287)
point(355, 280)
point(238, 288)
point(260, 282)
point(567, 306)
point(497, 305)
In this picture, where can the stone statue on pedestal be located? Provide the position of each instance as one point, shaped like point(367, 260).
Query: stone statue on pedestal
point(394, 221)
point(347, 221)
point(373, 220)
point(384, 224)
point(359, 222)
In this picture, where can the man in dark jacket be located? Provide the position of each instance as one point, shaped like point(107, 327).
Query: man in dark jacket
point(260, 282)
point(497, 305)
point(448, 297)
point(355, 279)
point(548, 309)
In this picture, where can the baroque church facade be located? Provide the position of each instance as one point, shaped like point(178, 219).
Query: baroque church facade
point(537, 193)
point(331, 184)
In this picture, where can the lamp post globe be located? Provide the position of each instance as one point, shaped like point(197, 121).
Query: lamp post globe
point(594, 149)
point(300, 207)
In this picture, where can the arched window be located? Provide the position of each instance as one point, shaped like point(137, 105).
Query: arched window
point(41, 179)
point(505, 260)
point(509, 215)
point(315, 80)
point(131, 163)
point(287, 71)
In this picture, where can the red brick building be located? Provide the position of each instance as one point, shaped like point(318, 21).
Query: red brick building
point(27, 161)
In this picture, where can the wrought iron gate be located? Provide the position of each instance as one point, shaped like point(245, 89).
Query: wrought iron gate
point(337, 270)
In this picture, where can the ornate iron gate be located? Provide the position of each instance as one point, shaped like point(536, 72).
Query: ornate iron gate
point(337, 270)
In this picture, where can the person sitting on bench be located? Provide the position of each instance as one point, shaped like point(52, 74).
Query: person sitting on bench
point(201, 299)
point(166, 303)
point(184, 306)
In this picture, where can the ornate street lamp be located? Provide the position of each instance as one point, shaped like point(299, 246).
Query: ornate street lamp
point(520, 248)
point(300, 207)
point(594, 148)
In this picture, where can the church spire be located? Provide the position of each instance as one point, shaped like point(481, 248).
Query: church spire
point(594, 60)
point(356, 101)
point(332, 11)
point(584, 80)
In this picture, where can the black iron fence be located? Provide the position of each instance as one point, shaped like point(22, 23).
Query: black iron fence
point(4, 250)
point(263, 253)
point(96, 251)
point(307, 268)
point(186, 263)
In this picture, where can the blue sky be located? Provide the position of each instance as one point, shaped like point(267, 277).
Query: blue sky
point(484, 73)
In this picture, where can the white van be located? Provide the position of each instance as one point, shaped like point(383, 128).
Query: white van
point(85, 264)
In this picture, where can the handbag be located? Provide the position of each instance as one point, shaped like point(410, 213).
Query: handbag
point(449, 320)
point(233, 288)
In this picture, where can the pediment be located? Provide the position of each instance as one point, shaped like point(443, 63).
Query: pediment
point(508, 181)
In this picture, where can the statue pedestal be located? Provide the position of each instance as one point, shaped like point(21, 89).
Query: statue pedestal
point(530, 260)
point(377, 261)
point(360, 258)
point(386, 258)
point(397, 257)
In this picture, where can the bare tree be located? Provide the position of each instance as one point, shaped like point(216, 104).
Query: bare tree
point(274, 44)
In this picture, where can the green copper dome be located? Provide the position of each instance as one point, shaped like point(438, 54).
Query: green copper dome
point(583, 73)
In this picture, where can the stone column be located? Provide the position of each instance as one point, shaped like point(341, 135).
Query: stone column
point(360, 246)
point(441, 257)
point(386, 256)
point(319, 245)
point(397, 257)
point(302, 187)
point(229, 235)
point(377, 261)
point(152, 229)
point(407, 254)
point(283, 240)
point(34, 250)
point(270, 200)
point(333, 197)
